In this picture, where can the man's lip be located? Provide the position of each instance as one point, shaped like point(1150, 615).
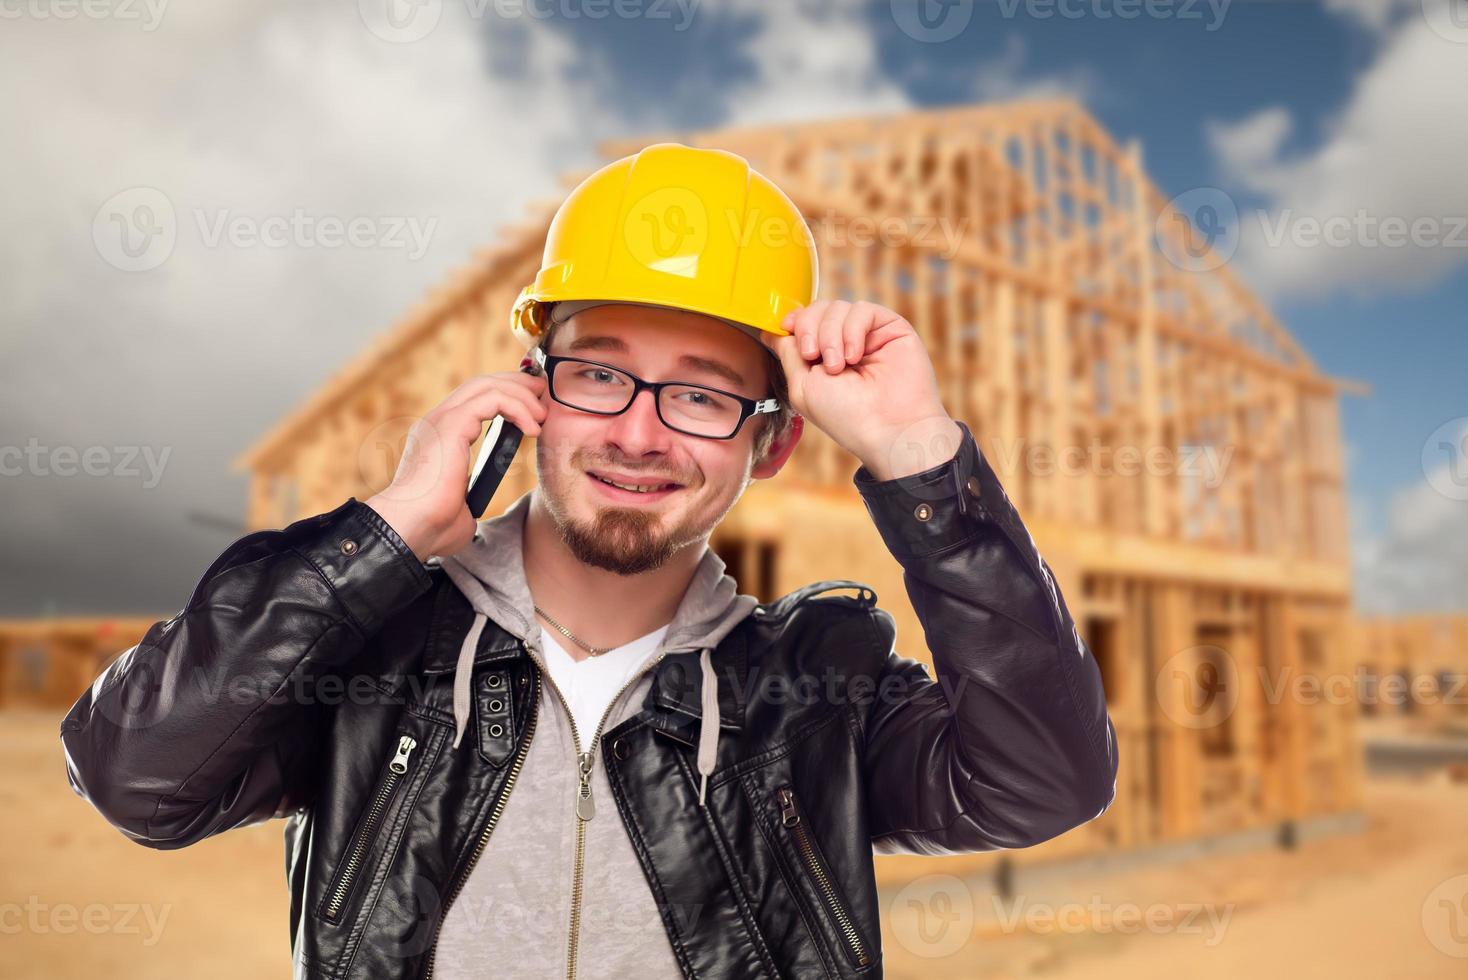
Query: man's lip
point(634, 481)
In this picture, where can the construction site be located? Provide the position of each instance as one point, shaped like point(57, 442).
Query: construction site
point(1176, 455)
point(1066, 338)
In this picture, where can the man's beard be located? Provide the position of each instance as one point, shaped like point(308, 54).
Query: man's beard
point(623, 540)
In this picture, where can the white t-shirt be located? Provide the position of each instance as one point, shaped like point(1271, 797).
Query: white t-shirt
point(589, 685)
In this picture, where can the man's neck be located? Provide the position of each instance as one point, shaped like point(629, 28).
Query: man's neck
point(602, 608)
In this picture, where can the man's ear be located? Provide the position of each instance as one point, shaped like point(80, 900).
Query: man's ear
point(780, 449)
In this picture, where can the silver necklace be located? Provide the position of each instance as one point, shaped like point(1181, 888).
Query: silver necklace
point(593, 651)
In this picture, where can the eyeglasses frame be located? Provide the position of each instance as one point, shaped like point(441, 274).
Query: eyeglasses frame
point(749, 407)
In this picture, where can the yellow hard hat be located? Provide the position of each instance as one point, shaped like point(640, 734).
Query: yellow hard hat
point(679, 226)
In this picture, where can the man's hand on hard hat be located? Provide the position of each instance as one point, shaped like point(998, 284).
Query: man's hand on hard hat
point(425, 502)
point(859, 373)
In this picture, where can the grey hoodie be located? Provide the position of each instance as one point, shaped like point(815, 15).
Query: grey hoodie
point(512, 918)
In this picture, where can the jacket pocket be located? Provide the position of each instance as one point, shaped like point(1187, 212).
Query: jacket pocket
point(790, 818)
point(394, 776)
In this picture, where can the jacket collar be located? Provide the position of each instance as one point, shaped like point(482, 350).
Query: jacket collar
point(710, 615)
point(674, 697)
point(451, 618)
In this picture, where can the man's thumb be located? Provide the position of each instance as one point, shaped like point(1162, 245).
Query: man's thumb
point(785, 349)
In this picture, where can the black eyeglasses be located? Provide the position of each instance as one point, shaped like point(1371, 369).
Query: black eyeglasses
point(695, 410)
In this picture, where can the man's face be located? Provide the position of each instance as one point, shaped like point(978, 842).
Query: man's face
point(695, 480)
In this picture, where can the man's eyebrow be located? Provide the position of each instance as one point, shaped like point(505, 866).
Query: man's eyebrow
point(718, 368)
point(594, 342)
point(598, 342)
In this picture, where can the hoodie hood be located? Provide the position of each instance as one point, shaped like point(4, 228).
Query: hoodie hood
point(490, 572)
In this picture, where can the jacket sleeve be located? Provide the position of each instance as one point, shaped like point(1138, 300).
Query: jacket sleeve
point(1012, 744)
point(211, 722)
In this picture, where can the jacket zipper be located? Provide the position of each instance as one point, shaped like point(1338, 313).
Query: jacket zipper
point(790, 817)
point(585, 806)
point(494, 816)
point(585, 810)
point(368, 831)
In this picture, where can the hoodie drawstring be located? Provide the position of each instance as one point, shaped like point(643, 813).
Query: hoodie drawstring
point(490, 574)
point(708, 728)
point(463, 672)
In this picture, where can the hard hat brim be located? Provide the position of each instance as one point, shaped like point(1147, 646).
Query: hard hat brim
point(562, 311)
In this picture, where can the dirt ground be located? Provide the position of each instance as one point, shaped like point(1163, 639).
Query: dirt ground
point(78, 900)
point(1389, 903)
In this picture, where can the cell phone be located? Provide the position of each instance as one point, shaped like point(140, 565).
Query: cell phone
point(496, 453)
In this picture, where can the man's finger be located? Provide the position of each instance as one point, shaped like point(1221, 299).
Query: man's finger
point(788, 352)
point(806, 328)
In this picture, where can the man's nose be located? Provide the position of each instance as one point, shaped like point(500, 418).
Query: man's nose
point(638, 430)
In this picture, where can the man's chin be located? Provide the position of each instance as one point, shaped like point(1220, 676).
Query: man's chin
point(624, 540)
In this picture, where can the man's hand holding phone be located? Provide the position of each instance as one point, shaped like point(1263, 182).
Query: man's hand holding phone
point(425, 502)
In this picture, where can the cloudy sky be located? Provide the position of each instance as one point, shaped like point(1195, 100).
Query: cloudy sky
point(423, 126)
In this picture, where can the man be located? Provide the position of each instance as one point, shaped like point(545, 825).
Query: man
point(574, 748)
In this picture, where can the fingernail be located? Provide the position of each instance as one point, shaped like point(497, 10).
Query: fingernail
point(833, 357)
point(851, 352)
point(808, 346)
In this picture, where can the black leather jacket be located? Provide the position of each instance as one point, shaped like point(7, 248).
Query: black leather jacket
point(286, 684)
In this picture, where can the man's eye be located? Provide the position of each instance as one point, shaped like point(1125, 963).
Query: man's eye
point(600, 376)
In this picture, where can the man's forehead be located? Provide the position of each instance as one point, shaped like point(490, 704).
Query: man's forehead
point(694, 329)
point(642, 315)
point(701, 342)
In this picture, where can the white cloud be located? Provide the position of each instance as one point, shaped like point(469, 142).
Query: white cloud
point(245, 111)
point(1388, 170)
point(820, 60)
point(1374, 15)
point(1252, 145)
point(259, 112)
point(811, 61)
point(257, 116)
point(1417, 563)
point(1005, 79)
